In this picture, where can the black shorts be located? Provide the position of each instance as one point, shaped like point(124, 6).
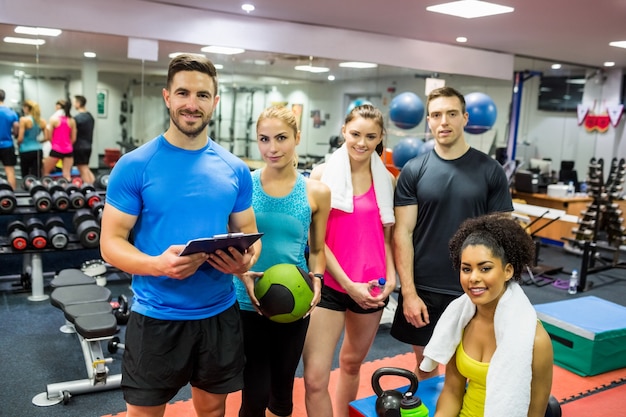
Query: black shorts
point(81, 156)
point(161, 356)
point(340, 301)
point(8, 157)
point(60, 155)
point(405, 332)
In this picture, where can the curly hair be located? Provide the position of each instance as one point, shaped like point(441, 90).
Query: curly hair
point(502, 235)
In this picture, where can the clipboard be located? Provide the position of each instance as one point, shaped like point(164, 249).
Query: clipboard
point(240, 241)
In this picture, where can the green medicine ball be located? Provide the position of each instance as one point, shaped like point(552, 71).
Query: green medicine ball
point(284, 292)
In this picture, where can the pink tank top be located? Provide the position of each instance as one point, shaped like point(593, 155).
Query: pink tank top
point(357, 241)
point(62, 137)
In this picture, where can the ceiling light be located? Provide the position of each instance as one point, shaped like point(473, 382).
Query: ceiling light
point(27, 30)
point(175, 54)
point(461, 39)
point(89, 54)
point(619, 44)
point(24, 41)
point(331, 78)
point(311, 68)
point(470, 9)
point(556, 66)
point(218, 66)
point(609, 64)
point(360, 65)
point(222, 50)
point(247, 7)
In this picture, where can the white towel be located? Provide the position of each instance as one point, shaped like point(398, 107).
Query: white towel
point(510, 370)
point(337, 175)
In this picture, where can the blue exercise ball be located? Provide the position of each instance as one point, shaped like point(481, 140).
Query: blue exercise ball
point(357, 102)
point(428, 146)
point(482, 113)
point(406, 149)
point(406, 110)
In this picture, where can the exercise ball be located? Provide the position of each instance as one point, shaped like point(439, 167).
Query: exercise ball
point(407, 148)
point(406, 110)
point(357, 102)
point(284, 292)
point(482, 112)
point(428, 146)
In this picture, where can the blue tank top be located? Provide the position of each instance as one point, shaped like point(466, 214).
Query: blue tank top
point(284, 222)
point(30, 142)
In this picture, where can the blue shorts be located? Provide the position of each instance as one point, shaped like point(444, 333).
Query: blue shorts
point(161, 356)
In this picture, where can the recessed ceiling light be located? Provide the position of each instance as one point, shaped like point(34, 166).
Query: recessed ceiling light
point(89, 54)
point(225, 50)
point(331, 78)
point(247, 7)
point(461, 39)
point(218, 66)
point(360, 65)
point(24, 41)
point(609, 64)
point(556, 66)
point(619, 44)
point(470, 9)
point(311, 68)
point(27, 30)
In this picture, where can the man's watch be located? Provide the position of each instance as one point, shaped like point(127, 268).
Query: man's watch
point(320, 276)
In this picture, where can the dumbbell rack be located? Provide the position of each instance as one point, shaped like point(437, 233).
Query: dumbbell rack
point(601, 224)
point(31, 257)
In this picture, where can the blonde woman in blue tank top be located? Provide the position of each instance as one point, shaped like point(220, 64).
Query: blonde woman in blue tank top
point(291, 210)
point(30, 127)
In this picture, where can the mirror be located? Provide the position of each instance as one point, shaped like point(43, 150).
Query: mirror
point(126, 95)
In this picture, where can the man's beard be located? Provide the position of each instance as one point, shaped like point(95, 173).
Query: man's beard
point(190, 131)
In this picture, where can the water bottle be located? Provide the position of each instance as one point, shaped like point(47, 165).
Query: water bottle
point(412, 406)
point(573, 282)
point(377, 286)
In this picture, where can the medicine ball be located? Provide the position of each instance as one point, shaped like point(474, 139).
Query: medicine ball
point(284, 292)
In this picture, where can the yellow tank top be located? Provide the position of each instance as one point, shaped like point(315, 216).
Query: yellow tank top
point(476, 374)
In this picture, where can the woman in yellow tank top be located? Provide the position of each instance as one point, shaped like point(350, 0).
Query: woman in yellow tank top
point(491, 252)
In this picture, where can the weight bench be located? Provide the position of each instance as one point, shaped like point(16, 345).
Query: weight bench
point(88, 313)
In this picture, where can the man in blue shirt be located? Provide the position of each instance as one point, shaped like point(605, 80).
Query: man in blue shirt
point(9, 125)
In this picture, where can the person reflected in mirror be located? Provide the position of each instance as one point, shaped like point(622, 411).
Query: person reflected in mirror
point(8, 129)
point(85, 124)
point(32, 131)
point(62, 128)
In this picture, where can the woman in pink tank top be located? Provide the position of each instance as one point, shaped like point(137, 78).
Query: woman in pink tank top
point(358, 253)
point(63, 136)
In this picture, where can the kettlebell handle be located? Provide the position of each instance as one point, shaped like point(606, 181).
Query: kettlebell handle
point(396, 372)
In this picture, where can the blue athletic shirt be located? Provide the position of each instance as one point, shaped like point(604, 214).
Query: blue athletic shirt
point(285, 223)
point(179, 195)
point(7, 118)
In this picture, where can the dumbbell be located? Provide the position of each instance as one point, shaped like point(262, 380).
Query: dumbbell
point(37, 235)
point(8, 202)
point(87, 228)
point(60, 198)
point(17, 235)
point(102, 181)
point(57, 233)
point(77, 199)
point(91, 196)
point(41, 197)
point(97, 210)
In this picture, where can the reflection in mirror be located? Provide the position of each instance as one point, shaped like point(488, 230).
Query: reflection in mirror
point(127, 94)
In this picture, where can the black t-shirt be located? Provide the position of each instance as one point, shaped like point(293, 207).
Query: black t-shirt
point(446, 193)
point(84, 130)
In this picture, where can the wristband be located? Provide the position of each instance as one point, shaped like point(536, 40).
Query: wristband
point(321, 277)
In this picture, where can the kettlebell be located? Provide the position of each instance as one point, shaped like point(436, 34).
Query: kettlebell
point(388, 401)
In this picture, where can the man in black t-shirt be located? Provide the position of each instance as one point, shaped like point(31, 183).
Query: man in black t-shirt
point(435, 193)
point(84, 137)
